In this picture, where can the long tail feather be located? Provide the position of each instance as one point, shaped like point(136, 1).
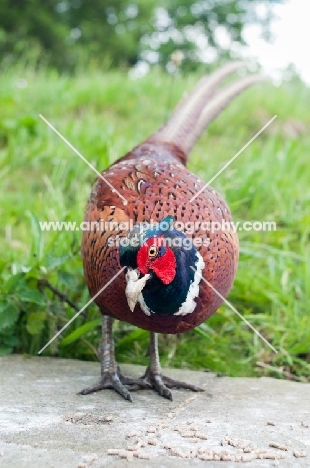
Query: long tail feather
point(201, 106)
point(214, 107)
point(188, 110)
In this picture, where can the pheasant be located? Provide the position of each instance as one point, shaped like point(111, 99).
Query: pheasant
point(156, 274)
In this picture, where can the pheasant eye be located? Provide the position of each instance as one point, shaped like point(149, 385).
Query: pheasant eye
point(153, 251)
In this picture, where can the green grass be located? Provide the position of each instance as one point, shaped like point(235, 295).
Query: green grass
point(104, 114)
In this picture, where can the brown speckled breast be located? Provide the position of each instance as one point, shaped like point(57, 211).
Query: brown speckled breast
point(156, 183)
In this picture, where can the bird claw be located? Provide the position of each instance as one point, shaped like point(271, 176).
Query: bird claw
point(118, 382)
point(162, 384)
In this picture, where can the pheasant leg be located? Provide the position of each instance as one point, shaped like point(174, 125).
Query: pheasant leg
point(111, 376)
point(153, 375)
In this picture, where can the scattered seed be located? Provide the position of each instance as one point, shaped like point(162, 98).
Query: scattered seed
point(247, 449)
point(132, 448)
point(278, 446)
point(235, 442)
point(179, 453)
point(193, 428)
point(113, 451)
point(226, 456)
point(269, 454)
point(246, 457)
point(188, 434)
point(270, 423)
point(206, 455)
point(142, 455)
point(299, 454)
point(151, 441)
point(125, 454)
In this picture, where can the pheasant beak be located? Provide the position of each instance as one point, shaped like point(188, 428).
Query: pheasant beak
point(134, 286)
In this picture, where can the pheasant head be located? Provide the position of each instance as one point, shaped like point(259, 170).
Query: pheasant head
point(163, 269)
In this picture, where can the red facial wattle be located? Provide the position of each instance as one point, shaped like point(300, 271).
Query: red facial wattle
point(164, 266)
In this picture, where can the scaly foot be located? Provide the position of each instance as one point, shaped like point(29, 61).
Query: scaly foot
point(117, 381)
point(162, 384)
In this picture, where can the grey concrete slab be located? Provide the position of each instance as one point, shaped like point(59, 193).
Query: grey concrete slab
point(44, 423)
